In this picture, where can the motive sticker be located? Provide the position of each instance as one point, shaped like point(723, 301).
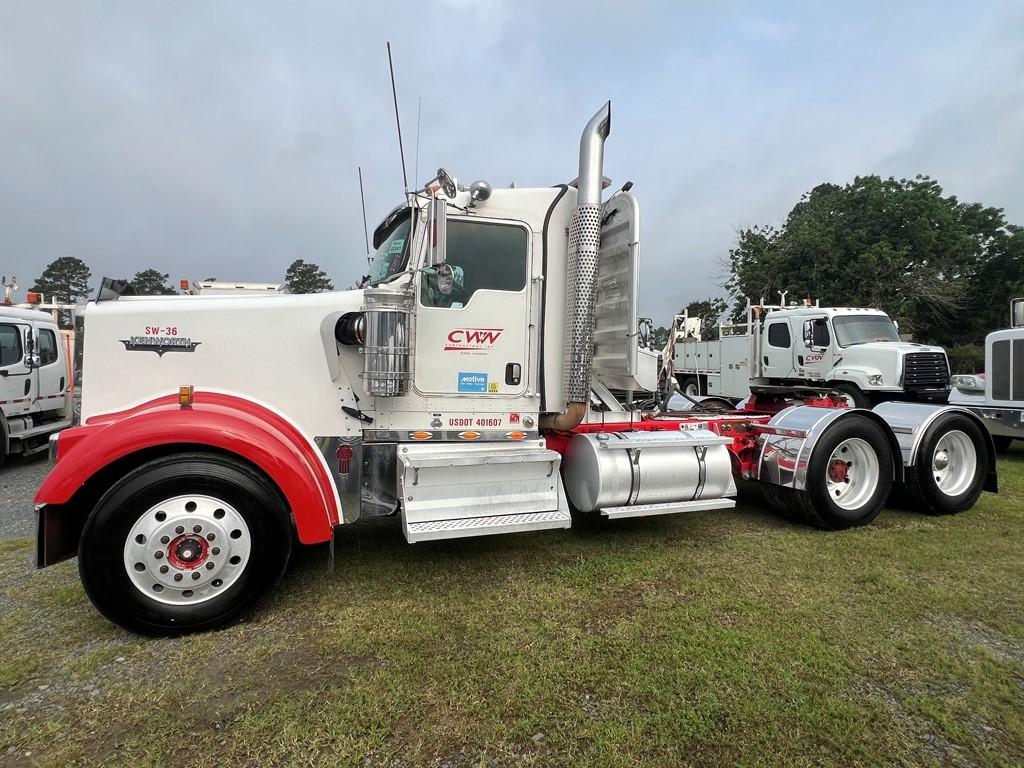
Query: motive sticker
point(472, 382)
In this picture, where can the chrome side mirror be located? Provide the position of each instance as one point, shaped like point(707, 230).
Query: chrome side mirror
point(1017, 313)
point(808, 333)
point(447, 183)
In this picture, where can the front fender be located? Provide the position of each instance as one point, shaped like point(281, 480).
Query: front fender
point(225, 422)
point(859, 375)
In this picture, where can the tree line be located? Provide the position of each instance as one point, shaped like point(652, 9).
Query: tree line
point(944, 268)
point(66, 280)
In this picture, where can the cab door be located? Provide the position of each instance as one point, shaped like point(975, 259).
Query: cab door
point(17, 380)
point(814, 354)
point(472, 314)
point(777, 349)
point(52, 369)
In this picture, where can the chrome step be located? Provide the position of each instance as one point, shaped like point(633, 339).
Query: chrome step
point(483, 526)
point(668, 508)
point(453, 490)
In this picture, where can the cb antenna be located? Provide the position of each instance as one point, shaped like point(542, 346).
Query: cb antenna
point(398, 122)
point(362, 199)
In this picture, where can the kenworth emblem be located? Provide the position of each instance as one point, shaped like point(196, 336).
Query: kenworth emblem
point(160, 344)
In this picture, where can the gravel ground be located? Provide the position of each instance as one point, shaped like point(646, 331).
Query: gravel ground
point(19, 479)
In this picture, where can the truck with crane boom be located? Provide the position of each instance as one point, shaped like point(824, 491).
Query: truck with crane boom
point(466, 389)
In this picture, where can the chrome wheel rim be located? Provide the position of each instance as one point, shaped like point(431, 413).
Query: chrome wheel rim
point(187, 549)
point(692, 390)
point(954, 463)
point(852, 474)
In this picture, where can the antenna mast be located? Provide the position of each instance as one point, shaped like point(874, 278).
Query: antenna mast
point(416, 170)
point(362, 199)
point(398, 122)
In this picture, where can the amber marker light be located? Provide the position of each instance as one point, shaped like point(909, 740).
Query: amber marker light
point(469, 435)
point(515, 435)
point(421, 435)
point(185, 396)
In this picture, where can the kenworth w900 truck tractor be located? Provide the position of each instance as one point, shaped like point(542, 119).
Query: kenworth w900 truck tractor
point(464, 390)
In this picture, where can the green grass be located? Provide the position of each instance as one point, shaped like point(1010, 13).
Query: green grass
point(731, 638)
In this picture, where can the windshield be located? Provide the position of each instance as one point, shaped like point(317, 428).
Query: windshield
point(860, 329)
point(393, 251)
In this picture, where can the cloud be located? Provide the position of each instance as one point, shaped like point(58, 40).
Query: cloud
point(223, 139)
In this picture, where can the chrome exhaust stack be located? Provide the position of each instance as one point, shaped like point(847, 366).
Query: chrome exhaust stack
point(581, 268)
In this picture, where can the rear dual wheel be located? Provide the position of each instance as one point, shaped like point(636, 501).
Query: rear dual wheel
point(849, 477)
point(952, 464)
point(184, 543)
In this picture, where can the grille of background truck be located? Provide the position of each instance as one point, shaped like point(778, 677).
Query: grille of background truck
point(1007, 367)
point(925, 370)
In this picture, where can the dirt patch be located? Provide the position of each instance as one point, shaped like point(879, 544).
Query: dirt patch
point(975, 634)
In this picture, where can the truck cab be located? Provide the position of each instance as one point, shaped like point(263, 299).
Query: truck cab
point(997, 395)
point(859, 351)
point(34, 378)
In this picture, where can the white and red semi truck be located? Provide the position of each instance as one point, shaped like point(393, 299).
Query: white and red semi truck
point(464, 390)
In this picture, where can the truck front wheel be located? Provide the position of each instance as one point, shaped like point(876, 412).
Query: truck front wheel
point(952, 464)
point(184, 543)
point(852, 394)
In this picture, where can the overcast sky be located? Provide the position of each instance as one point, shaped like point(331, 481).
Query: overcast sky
point(222, 138)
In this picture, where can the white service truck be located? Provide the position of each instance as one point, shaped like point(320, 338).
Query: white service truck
point(856, 353)
point(35, 374)
point(997, 395)
point(465, 390)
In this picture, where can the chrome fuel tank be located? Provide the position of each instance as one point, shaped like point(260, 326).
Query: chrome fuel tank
point(616, 469)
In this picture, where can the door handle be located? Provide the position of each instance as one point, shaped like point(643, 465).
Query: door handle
point(28, 385)
point(766, 359)
point(800, 359)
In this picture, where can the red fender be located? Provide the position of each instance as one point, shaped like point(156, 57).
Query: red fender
point(229, 423)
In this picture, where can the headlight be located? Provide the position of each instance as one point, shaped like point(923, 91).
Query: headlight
point(961, 381)
point(875, 380)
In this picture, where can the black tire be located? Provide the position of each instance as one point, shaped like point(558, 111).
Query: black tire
point(692, 382)
point(101, 549)
point(852, 391)
point(815, 503)
point(716, 405)
point(925, 491)
point(1002, 443)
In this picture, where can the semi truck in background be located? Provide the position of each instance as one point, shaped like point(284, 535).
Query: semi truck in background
point(855, 353)
point(466, 389)
point(35, 378)
point(997, 395)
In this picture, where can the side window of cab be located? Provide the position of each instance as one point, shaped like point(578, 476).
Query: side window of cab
point(10, 345)
point(480, 255)
point(47, 347)
point(778, 334)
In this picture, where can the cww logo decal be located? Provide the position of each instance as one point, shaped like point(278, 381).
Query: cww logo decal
point(473, 338)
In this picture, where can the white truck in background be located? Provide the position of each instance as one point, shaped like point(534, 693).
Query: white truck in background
point(997, 395)
point(852, 351)
point(35, 374)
